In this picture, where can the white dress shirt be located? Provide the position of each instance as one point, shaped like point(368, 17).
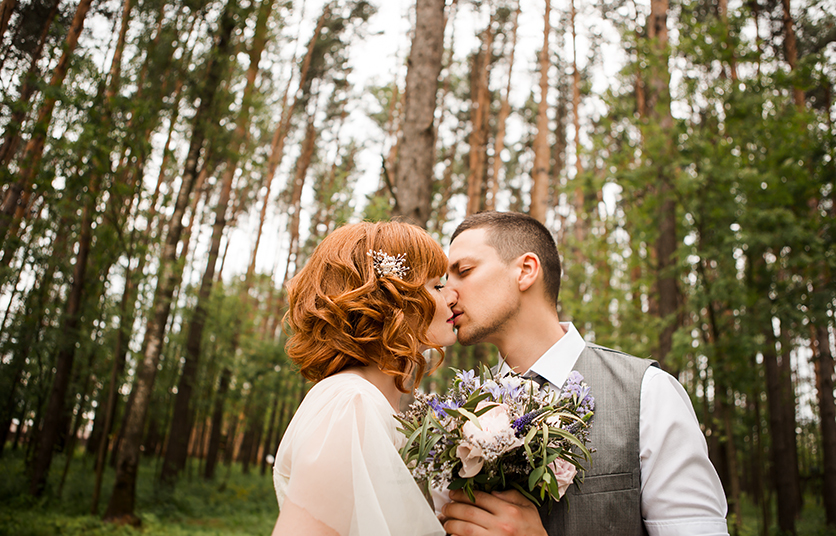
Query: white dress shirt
point(681, 494)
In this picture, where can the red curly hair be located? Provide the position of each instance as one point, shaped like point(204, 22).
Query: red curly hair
point(342, 314)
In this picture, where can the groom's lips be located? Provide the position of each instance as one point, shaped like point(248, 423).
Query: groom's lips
point(452, 319)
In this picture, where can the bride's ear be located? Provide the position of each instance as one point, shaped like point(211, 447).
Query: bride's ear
point(529, 265)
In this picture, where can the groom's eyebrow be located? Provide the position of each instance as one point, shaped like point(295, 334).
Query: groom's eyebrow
point(455, 266)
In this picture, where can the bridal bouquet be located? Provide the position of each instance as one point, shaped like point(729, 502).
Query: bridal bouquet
point(490, 434)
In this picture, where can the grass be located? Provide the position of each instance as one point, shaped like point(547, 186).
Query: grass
point(234, 503)
point(811, 522)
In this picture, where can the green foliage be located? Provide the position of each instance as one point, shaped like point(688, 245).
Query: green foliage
point(239, 505)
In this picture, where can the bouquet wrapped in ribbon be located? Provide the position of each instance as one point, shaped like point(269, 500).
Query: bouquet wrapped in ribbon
point(492, 434)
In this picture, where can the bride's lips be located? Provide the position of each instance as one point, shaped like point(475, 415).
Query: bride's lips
point(452, 319)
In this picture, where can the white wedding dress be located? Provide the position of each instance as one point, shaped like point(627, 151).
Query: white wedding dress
point(339, 462)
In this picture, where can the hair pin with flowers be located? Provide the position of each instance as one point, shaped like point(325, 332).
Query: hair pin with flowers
point(385, 264)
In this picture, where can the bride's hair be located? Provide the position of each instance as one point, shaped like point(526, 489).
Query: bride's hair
point(343, 314)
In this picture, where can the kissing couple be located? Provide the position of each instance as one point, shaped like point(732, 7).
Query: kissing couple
point(374, 296)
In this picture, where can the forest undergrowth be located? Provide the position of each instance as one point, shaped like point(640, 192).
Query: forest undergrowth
point(234, 503)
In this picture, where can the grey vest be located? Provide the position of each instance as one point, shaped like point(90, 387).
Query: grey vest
point(608, 502)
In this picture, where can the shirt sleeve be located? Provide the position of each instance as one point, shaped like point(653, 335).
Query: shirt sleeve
point(681, 492)
point(347, 474)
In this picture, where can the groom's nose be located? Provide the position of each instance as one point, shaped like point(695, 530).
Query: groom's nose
point(450, 296)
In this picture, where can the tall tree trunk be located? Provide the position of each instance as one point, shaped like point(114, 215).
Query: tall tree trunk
point(66, 352)
point(659, 115)
point(791, 50)
point(120, 355)
point(33, 153)
point(121, 505)
point(6, 10)
point(504, 112)
point(282, 129)
point(581, 225)
point(782, 436)
point(540, 174)
point(413, 189)
point(302, 165)
point(268, 440)
point(827, 417)
point(182, 420)
point(100, 165)
point(217, 421)
point(723, 9)
point(480, 106)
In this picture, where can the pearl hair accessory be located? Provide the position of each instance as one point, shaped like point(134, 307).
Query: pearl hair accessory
point(385, 264)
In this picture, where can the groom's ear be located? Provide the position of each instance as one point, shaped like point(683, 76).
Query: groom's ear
point(529, 269)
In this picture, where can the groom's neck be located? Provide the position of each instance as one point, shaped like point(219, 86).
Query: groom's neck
point(527, 341)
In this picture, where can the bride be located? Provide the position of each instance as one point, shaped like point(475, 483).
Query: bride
point(362, 311)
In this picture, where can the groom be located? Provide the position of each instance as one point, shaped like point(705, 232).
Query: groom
point(650, 473)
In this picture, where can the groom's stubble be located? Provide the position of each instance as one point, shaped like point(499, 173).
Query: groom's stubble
point(474, 333)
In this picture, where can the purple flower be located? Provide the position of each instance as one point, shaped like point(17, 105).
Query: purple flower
point(440, 405)
point(520, 424)
point(466, 376)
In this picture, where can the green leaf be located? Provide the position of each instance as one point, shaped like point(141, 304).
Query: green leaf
point(526, 494)
point(535, 476)
point(485, 410)
point(572, 439)
point(471, 417)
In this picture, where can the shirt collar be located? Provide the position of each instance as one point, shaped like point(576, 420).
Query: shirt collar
point(559, 360)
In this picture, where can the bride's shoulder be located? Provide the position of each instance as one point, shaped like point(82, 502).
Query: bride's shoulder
point(346, 389)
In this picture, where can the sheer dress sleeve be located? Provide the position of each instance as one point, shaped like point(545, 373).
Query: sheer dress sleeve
point(338, 462)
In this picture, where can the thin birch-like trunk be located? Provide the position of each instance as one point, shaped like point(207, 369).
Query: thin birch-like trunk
point(121, 505)
point(540, 174)
point(479, 111)
point(504, 112)
point(182, 420)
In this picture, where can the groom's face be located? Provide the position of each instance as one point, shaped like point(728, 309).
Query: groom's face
point(483, 286)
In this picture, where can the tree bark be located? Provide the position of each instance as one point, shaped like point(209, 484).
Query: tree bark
point(6, 10)
point(121, 505)
point(480, 106)
point(791, 50)
point(827, 418)
point(659, 117)
point(782, 436)
point(302, 165)
point(268, 440)
point(504, 112)
point(217, 421)
point(581, 225)
point(540, 174)
point(33, 153)
point(413, 189)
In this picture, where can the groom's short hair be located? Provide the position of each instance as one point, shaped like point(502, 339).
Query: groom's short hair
point(513, 234)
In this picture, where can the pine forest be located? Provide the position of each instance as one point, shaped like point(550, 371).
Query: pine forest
point(166, 167)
